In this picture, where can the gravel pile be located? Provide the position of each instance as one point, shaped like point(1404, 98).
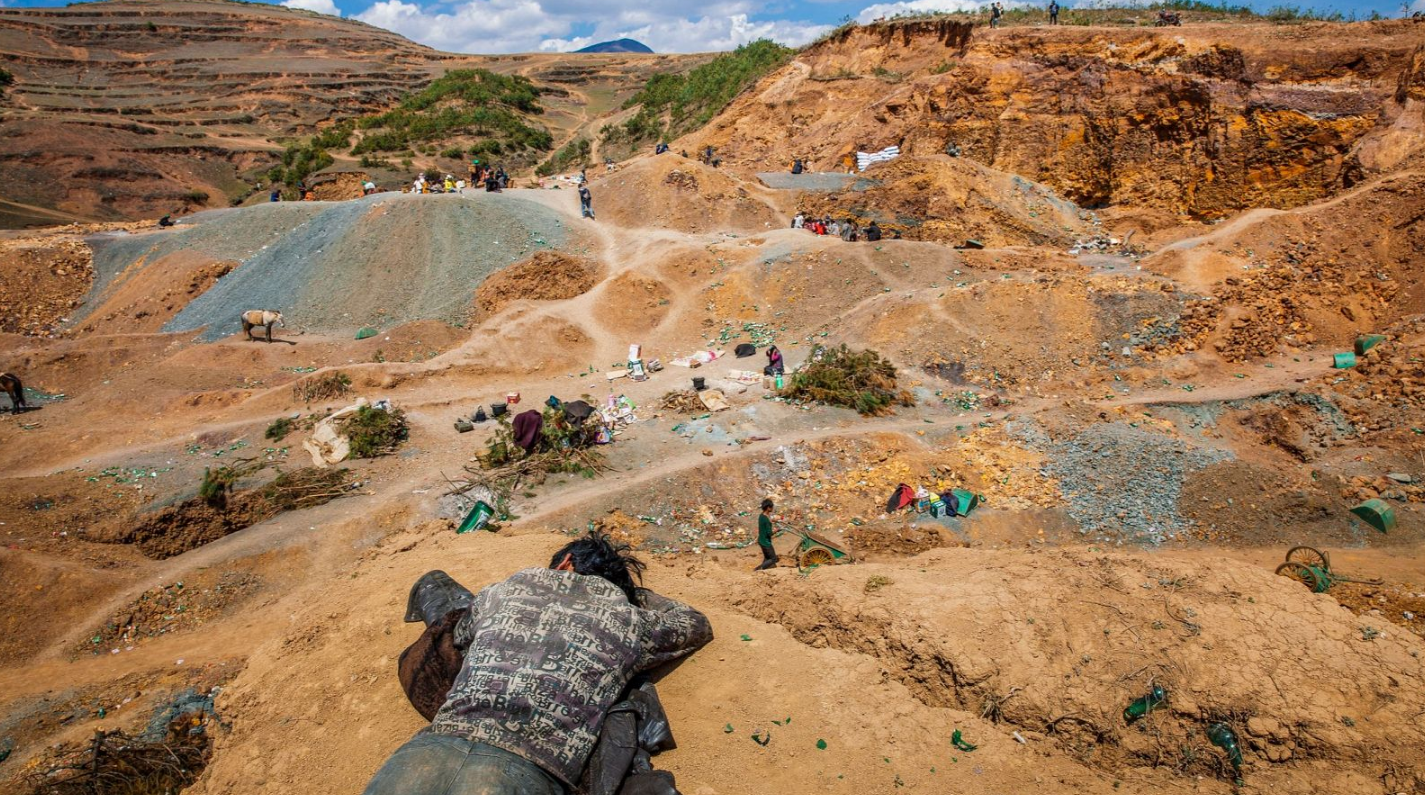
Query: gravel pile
point(1123, 483)
point(823, 181)
point(379, 261)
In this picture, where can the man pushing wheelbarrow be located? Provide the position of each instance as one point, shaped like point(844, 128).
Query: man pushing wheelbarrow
point(813, 550)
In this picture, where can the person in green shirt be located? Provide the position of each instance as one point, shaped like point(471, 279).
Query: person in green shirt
point(764, 537)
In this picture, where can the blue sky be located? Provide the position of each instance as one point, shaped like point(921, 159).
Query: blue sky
point(494, 26)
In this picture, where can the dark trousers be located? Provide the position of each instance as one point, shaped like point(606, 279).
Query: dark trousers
point(769, 559)
point(438, 764)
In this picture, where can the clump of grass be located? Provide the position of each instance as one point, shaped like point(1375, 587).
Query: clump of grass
point(279, 429)
point(321, 387)
point(373, 432)
point(862, 380)
point(876, 582)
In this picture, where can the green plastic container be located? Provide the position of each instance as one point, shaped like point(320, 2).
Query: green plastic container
point(1367, 341)
point(1341, 361)
point(1376, 514)
point(366, 333)
point(478, 517)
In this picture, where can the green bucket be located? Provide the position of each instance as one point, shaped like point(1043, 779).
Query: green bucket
point(478, 517)
point(1341, 361)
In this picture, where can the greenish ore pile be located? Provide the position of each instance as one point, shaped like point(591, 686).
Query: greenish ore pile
point(379, 261)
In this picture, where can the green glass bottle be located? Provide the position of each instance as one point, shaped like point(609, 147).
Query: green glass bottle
point(1143, 705)
point(1223, 737)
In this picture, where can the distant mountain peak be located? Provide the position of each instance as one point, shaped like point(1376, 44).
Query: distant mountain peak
point(620, 45)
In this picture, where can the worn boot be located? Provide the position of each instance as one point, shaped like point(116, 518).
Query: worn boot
point(434, 595)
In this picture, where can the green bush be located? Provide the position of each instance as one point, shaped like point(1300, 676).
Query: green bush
point(373, 432)
point(861, 380)
point(279, 429)
point(334, 137)
point(463, 101)
point(673, 104)
point(574, 154)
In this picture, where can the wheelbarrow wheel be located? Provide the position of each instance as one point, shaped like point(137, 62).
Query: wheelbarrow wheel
point(1303, 574)
point(1309, 556)
point(816, 556)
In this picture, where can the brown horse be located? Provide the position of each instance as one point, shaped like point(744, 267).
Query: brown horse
point(12, 386)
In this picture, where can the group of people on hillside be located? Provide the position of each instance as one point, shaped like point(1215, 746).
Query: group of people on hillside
point(847, 230)
point(493, 178)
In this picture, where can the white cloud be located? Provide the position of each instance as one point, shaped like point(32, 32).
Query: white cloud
point(889, 10)
point(706, 34)
point(319, 6)
point(1417, 6)
point(495, 26)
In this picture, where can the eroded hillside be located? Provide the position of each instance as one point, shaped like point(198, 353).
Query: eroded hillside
point(1205, 119)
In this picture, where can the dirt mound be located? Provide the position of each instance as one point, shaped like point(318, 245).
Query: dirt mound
point(672, 192)
point(632, 304)
point(547, 276)
point(1297, 693)
point(147, 295)
point(178, 606)
point(339, 186)
point(42, 281)
point(951, 200)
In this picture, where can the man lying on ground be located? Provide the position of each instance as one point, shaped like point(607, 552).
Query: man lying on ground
point(547, 652)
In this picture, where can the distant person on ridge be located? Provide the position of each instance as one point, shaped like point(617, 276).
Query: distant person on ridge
point(1053, 12)
point(586, 202)
point(798, 221)
point(543, 656)
point(797, 166)
point(996, 11)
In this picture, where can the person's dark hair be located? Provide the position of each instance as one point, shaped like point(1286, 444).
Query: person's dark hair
point(767, 505)
point(600, 556)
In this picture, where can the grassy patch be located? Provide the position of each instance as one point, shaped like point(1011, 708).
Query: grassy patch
point(464, 102)
point(671, 105)
point(861, 380)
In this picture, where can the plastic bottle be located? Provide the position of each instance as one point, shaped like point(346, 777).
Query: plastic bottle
point(1223, 737)
point(1144, 704)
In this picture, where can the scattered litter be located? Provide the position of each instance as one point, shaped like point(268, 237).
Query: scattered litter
point(959, 742)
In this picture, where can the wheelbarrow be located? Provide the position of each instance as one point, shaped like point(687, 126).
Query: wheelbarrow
point(816, 550)
point(1312, 568)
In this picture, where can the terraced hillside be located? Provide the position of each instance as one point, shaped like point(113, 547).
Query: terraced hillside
point(145, 108)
